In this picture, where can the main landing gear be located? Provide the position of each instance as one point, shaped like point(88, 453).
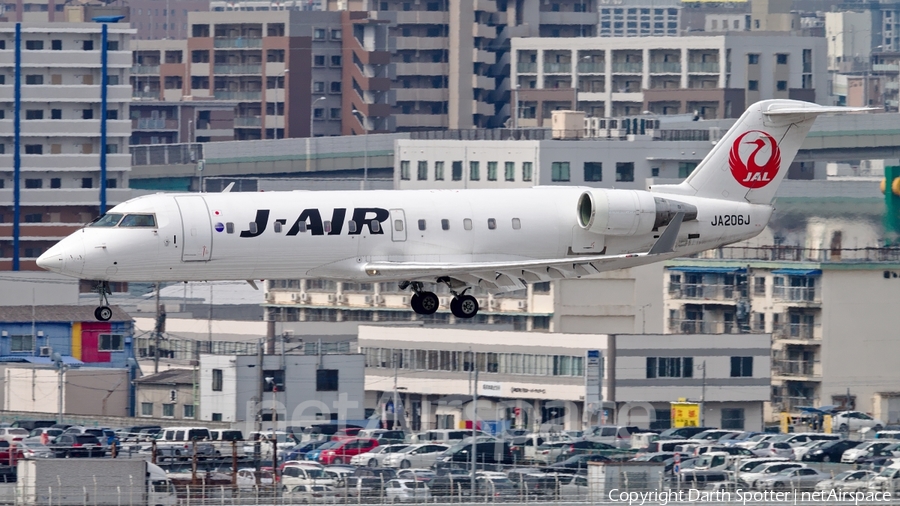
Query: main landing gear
point(103, 313)
point(427, 303)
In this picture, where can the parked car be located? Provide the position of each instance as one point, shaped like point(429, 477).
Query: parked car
point(801, 450)
point(314, 454)
point(247, 479)
point(495, 485)
point(804, 478)
point(384, 436)
point(712, 434)
point(854, 421)
point(423, 475)
point(345, 450)
point(375, 457)
point(77, 445)
point(749, 465)
point(346, 433)
point(311, 494)
point(13, 434)
point(770, 449)
point(749, 479)
point(37, 435)
point(548, 452)
point(681, 432)
point(576, 463)
point(846, 481)
point(226, 435)
point(487, 454)
point(369, 481)
point(305, 473)
point(405, 490)
point(830, 451)
point(754, 440)
point(586, 446)
point(417, 455)
point(615, 435)
point(862, 451)
point(31, 450)
point(30, 425)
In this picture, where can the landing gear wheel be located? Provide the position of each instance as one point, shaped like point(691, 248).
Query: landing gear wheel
point(415, 303)
point(103, 313)
point(464, 306)
point(429, 303)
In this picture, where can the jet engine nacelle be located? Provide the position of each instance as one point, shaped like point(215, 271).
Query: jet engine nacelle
point(628, 212)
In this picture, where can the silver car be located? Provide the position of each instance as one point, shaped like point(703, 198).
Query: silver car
point(804, 478)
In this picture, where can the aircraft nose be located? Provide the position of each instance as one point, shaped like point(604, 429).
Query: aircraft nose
point(65, 257)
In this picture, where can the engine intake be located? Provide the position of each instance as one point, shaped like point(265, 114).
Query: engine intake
point(628, 212)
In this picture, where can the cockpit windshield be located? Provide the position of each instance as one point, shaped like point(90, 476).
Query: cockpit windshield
point(107, 220)
point(138, 220)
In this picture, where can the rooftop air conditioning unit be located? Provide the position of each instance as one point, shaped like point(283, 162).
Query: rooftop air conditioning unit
point(46, 351)
point(303, 297)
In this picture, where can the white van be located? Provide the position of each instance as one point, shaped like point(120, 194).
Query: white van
point(304, 474)
point(177, 443)
point(888, 434)
point(447, 436)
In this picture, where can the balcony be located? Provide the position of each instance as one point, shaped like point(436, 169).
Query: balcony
point(627, 67)
point(247, 121)
point(797, 368)
point(238, 69)
point(796, 294)
point(145, 95)
point(703, 67)
point(707, 292)
point(154, 124)
point(665, 67)
point(886, 67)
point(591, 67)
point(684, 326)
point(526, 67)
point(557, 68)
point(799, 331)
point(245, 96)
point(237, 43)
point(143, 70)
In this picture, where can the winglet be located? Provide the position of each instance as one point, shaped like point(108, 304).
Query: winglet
point(229, 187)
point(250, 281)
point(666, 241)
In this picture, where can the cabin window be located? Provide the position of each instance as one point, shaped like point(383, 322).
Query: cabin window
point(277, 227)
point(252, 228)
point(301, 227)
point(492, 223)
point(467, 224)
point(351, 226)
point(516, 223)
point(445, 224)
point(327, 227)
point(229, 228)
point(398, 225)
point(421, 224)
point(375, 227)
point(108, 220)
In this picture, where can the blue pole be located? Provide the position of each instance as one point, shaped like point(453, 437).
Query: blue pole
point(104, 78)
point(17, 145)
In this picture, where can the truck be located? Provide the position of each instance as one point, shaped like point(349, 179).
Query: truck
point(98, 482)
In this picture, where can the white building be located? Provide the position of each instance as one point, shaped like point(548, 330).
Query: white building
point(300, 388)
point(640, 19)
point(62, 100)
point(849, 37)
point(527, 380)
point(714, 75)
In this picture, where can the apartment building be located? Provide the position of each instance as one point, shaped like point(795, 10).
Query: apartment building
point(60, 11)
point(823, 307)
point(540, 384)
point(72, 128)
point(646, 19)
point(245, 59)
point(155, 20)
point(715, 76)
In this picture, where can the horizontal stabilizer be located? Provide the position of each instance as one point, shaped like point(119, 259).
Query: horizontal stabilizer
point(666, 241)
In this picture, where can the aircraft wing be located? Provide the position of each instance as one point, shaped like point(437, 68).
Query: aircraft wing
point(509, 275)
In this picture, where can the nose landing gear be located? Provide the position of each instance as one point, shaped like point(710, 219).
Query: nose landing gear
point(104, 312)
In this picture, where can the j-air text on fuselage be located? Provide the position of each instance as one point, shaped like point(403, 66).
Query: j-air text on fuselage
point(496, 239)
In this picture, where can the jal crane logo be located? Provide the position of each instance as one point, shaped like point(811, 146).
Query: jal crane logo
point(754, 167)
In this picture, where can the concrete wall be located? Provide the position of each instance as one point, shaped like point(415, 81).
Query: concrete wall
point(44, 288)
point(97, 392)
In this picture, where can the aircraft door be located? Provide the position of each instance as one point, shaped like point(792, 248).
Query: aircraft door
point(196, 228)
point(398, 225)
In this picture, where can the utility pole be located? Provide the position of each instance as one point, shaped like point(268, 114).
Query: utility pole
point(396, 395)
point(157, 333)
point(703, 397)
point(474, 425)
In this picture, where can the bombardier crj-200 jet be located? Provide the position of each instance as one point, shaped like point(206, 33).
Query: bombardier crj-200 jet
point(496, 239)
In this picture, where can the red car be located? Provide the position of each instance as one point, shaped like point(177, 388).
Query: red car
point(346, 450)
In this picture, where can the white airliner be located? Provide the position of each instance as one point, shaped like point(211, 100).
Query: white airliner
point(497, 239)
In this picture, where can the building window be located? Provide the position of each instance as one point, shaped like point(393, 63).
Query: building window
point(753, 59)
point(559, 171)
point(217, 417)
point(111, 342)
point(527, 169)
point(781, 59)
point(188, 411)
point(685, 168)
point(593, 171)
point(474, 171)
point(336, 61)
point(456, 170)
point(624, 171)
point(168, 411)
point(492, 171)
point(55, 182)
point(319, 34)
point(34, 184)
point(319, 87)
point(335, 87)
point(438, 171)
point(87, 182)
point(670, 367)
point(319, 60)
point(200, 56)
point(319, 113)
point(34, 79)
point(335, 34)
point(273, 380)
point(509, 171)
point(781, 85)
point(733, 419)
point(326, 380)
point(759, 285)
point(146, 409)
point(217, 380)
point(741, 367)
point(34, 114)
point(404, 170)
point(34, 45)
point(753, 85)
point(21, 343)
point(422, 172)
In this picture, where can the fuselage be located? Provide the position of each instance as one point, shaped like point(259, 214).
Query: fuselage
point(297, 234)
